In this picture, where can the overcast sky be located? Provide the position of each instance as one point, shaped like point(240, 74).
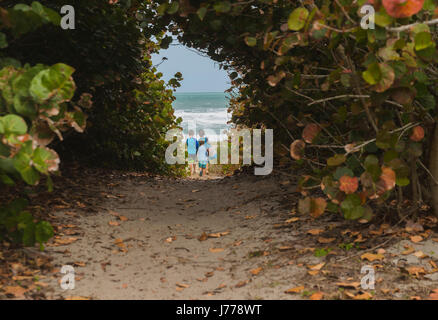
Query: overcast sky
point(200, 74)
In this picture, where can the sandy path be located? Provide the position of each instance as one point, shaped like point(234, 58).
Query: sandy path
point(147, 266)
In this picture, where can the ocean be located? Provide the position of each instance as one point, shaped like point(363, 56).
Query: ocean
point(201, 110)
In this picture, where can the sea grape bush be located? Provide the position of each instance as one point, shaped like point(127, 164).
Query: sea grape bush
point(35, 107)
point(357, 106)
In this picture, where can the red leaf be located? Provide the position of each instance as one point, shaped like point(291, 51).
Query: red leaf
point(310, 132)
point(348, 184)
point(387, 178)
point(417, 134)
point(402, 8)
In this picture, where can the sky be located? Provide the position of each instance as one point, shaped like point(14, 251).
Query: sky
point(200, 74)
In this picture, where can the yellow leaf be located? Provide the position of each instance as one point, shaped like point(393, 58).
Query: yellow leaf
point(215, 250)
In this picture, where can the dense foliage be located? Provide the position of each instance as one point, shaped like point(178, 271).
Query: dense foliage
point(356, 105)
point(114, 112)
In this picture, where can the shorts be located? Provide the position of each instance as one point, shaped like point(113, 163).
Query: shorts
point(202, 164)
point(192, 159)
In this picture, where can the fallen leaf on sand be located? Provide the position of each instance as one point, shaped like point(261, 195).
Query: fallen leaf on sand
point(203, 237)
point(313, 272)
point(241, 284)
point(416, 271)
point(315, 231)
point(250, 217)
point(170, 239)
point(114, 223)
point(316, 266)
point(408, 250)
point(363, 296)
point(17, 291)
point(218, 234)
point(215, 250)
point(124, 286)
point(416, 239)
point(196, 190)
point(256, 271)
point(317, 296)
point(295, 290)
point(434, 295)
point(326, 240)
point(79, 264)
point(284, 248)
point(116, 214)
point(371, 257)
point(420, 254)
point(182, 285)
point(353, 285)
point(77, 298)
point(123, 218)
point(61, 242)
point(291, 220)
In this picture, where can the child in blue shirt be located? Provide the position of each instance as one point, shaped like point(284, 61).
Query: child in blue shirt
point(202, 157)
point(207, 146)
point(192, 149)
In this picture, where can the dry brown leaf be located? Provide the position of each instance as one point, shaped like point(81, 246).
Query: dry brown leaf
point(315, 231)
point(363, 296)
point(123, 218)
point(182, 285)
point(313, 272)
point(216, 250)
point(317, 296)
point(420, 254)
point(371, 257)
point(353, 285)
point(218, 234)
point(79, 264)
point(17, 291)
point(256, 271)
point(77, 298)
point(326, 240)
point(416, 239)
point(114, 223)
point(416, 271)
point(316, 266)
point(408, 250)
point(241, 284)
point(295, 290)
point(434, 295)
point(203, 237)
point(292, 220)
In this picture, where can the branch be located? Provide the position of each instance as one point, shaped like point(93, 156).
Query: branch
point(408, 26)
point(339, 97)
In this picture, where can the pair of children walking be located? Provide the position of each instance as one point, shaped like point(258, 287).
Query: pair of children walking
point(198, 151)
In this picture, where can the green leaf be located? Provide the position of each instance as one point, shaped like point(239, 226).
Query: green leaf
point(382, 19)
point(13, 124)
point(250, 41)
point(202, 12)
point(297, 19)
point(173, 8)
point(336, 160)
point(423, 40)
point(161, 10)
point(3, 41)
point(222, 7)
point(373, 74)
point(43, 232)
